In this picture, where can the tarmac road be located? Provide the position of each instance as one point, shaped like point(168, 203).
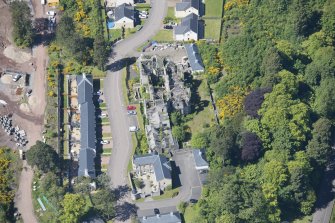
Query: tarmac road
point(119, 120)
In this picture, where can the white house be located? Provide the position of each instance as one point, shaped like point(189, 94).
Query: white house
point(187, 7)
point(115, 3)
point(124, 16)
point(188, 29)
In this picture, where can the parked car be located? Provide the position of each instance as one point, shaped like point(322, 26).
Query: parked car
point(132, 112)
point(144, 12)
point(168, 27)
point(103, 115)
point(29, 92)
point(133, 129)
point(100, 101)
point(156, 211)
point(52, 13)
point(17, 77)
point(104, 142)
point(98, 93)
point(143, 16)
point(193, 201)
point(131, 107)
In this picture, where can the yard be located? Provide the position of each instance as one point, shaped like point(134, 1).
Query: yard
point(213, 8)
point(164, 35)
point(212, 28)
point(192, 214)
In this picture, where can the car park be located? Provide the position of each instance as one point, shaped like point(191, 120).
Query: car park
point(133, 129)
point(132, 112)
point(104, 142)
point(103, 115)
point(131, 107)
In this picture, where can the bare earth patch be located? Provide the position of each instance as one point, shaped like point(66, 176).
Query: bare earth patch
point(17, 55)
point(6, 79)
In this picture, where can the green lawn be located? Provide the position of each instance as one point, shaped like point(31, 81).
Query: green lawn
point(164, 36)
point(213, 8)
point(307, 219)
point(124, 86)
point(212, 28)
point(115, 34)
point(98, 73)
point(107, 151)
point(170, 12)
point(192, 214)
point(106, 134)
point(167, 194)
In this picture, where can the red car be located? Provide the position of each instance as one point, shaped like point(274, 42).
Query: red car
point(131, 107)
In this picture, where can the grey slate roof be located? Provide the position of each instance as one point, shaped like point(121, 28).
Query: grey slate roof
point(194, 57)
point(199, 158)
point(189, 23)
point(124, 11)
point(87, 125)
point(160, 164)
point(86, 162)
point(173, 217)
point(184, 5)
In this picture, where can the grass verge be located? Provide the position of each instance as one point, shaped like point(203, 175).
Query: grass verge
point(164, 35)
point(167, 194)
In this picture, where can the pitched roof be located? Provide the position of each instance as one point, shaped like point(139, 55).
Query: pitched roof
point(194, 57)
point(124, 11)
point(173, 217)
point(87, 126)
point(161, 164)
point(199, 159)
point(184, 5)
point(86, 162)
point(189, 23)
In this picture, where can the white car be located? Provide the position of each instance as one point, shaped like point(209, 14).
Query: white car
point(103, 115)
point(52, 13)
point(17, 77)
point(131, 112)
point(104, 142)
point(133, 129)
point(98, 93)
point(144, 13)
point(143, 16)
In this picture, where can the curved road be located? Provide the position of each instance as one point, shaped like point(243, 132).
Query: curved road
point(119, 120)
point(122, 146)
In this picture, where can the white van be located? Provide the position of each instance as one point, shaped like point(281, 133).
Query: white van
point(43, 2)
point(133, 128)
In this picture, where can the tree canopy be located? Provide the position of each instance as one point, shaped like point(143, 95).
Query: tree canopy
point(43, 156)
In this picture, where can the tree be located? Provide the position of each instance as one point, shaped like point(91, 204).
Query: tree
point(100, 52)
point(43, 156)
point(253, 101)
point(200, 140)
point(322, 66)
point(73, 208)
point(271, 63)
point(104, 201)
point(325, 98)
point(231, 104)
point(176, 118)
point(178, 133)
point(51, 190)
point(319, 147)
point(223, 143)
point(328, 19)
point(22, 24)
point(251, 147)
point(83, 185)
point(65, 30)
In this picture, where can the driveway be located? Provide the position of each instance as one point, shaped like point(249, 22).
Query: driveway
point(190, 186)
